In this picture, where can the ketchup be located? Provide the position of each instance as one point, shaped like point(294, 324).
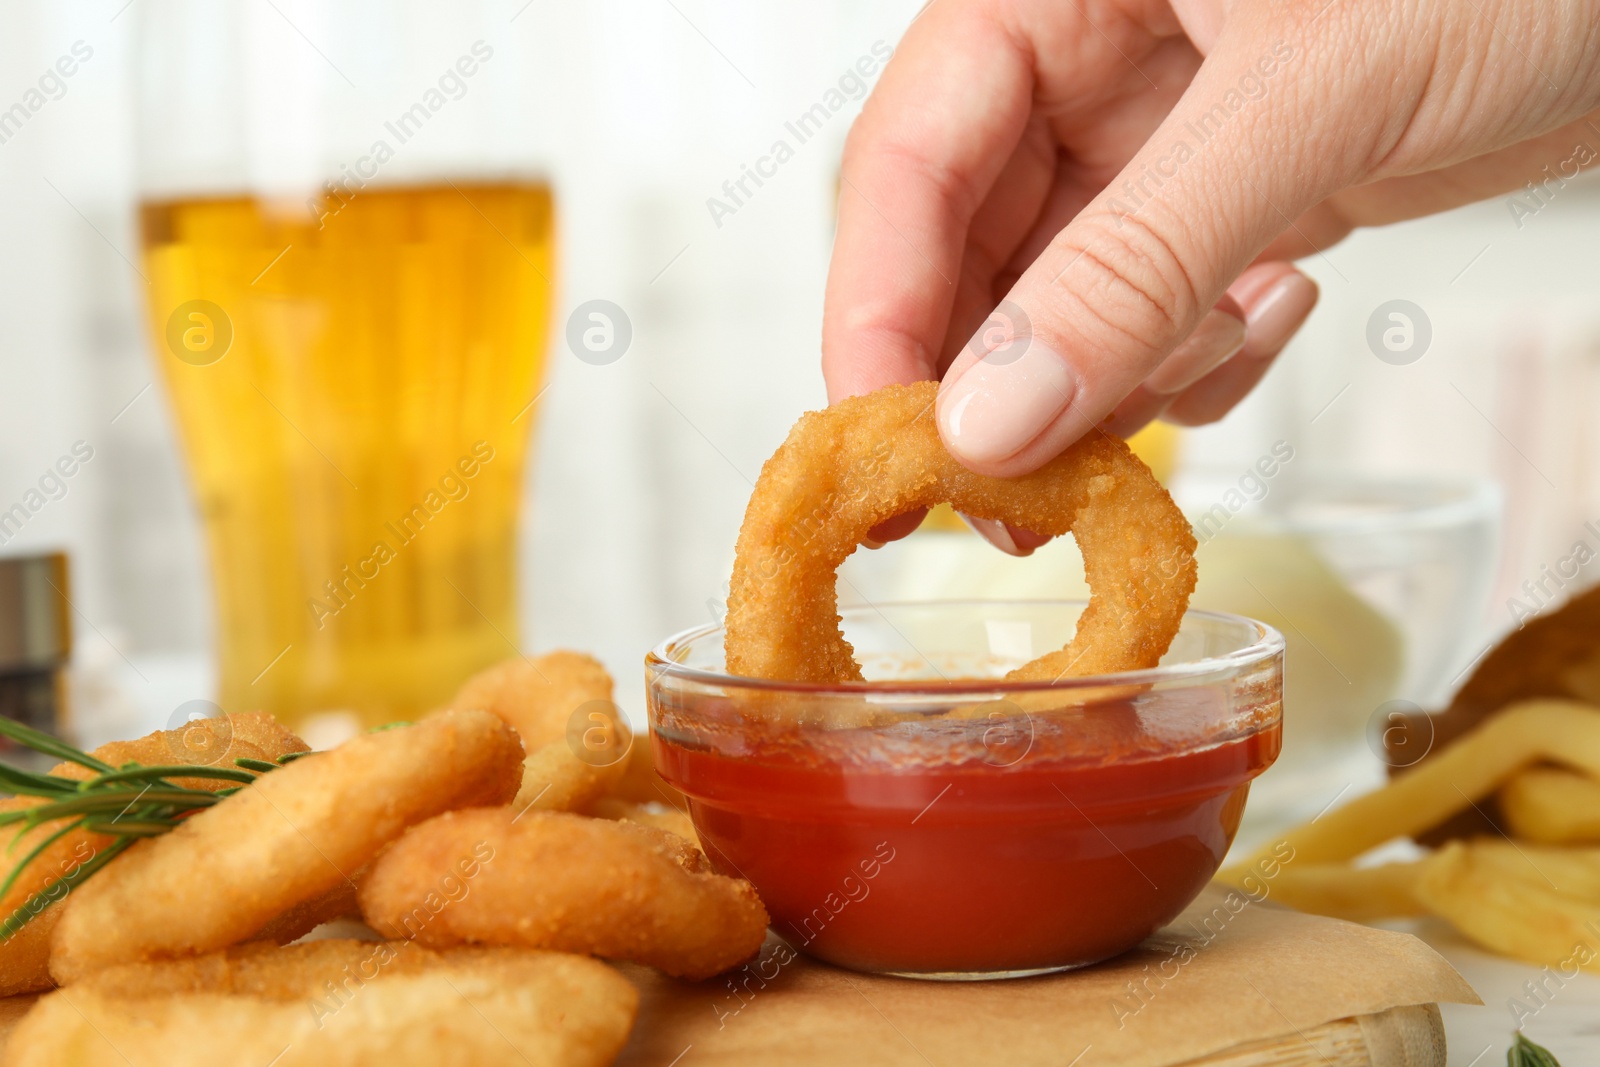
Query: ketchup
point(935, 847)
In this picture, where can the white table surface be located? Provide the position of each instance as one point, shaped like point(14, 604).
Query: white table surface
point(1568, 1024)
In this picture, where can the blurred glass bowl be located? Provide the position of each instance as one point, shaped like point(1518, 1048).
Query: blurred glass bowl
point(1379, 586)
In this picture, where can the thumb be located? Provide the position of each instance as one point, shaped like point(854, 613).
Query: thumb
point(1133, 275)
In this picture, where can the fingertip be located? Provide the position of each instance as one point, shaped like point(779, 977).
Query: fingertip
point(1027, 540)
point(1012, 540)
point(1277, 313)
point(894, 529)
point(992, 410)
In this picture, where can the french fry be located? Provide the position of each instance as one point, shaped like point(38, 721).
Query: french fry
point(1359, 894)
point(1574, 872)
point(1553, 806)
point(1558, 731)
point(1508, 909)
point(1540, 904)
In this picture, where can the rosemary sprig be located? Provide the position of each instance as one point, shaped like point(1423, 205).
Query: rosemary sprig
point(1524, 1053)
point(126, 803)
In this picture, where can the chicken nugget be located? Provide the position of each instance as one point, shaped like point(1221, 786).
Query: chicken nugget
point(294, 835)
point(566, 882)
point(536, 694)
point(661, 816)
point(349, 1003)
point(560, 704)
point(642, 783)
point(25, 955)
point(555, 778)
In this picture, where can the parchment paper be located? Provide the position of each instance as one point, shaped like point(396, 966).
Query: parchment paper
point(1222, 974)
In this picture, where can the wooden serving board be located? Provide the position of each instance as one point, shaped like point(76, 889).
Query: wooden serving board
point(1412, 1036)
point(1258, 986)
point(1400, 1037)
point(1408, 1036)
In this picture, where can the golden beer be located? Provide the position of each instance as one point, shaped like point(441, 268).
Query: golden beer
point(353, 381)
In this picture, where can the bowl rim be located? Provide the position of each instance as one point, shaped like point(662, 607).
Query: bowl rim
point(1269, 642)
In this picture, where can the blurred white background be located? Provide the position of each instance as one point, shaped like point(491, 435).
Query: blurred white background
point(644, 109)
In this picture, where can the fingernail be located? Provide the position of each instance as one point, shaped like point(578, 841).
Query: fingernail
point(996, 534)
point(1275, 315)
point(997, 406)
point(1217, 339)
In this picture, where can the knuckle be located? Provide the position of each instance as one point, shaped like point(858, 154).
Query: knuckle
point(1130, 283)
point(950, 185)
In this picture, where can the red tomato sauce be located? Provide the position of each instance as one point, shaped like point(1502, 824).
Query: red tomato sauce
point(1059, 849)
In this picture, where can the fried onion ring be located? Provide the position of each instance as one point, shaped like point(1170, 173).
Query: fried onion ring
point(864, 460)
point(25, 955)
point(292, 836)
point(336, 1002)
point(566, 882)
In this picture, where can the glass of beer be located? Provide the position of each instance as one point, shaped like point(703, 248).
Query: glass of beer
point(348, 246)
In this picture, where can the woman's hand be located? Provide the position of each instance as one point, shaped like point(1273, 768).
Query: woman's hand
point(1129, 181)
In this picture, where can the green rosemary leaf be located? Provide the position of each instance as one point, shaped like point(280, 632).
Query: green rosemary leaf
point(40, 741)
point(1524, 1053)
point(156, 773)
point(130, 827)
point(19, 918)
point(127, 803)
point(22, 815)
point(389, 726)
point(116, 801)
point(33, 854)
point(28, 783)
point(290, 757)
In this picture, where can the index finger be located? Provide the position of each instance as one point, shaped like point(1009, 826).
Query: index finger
point(949, 110)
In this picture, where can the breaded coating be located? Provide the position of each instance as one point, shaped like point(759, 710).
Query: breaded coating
point(12, 1011)
point(538, 696)
point(336, 1004)
point(661, 816)
point(641, 782)
point(294, 835)
point(337, 903)
point(870, 458)
point(25, 956)
point(555, 779)
point(567, 882)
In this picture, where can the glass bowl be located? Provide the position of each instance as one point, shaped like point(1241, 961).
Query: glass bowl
point(1380, 586)
point(937, 821)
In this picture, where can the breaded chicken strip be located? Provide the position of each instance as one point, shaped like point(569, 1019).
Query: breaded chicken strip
point(336, 1004)
point(565, 882)
point(217, 742)
point(560, 703)
point(296, 834)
